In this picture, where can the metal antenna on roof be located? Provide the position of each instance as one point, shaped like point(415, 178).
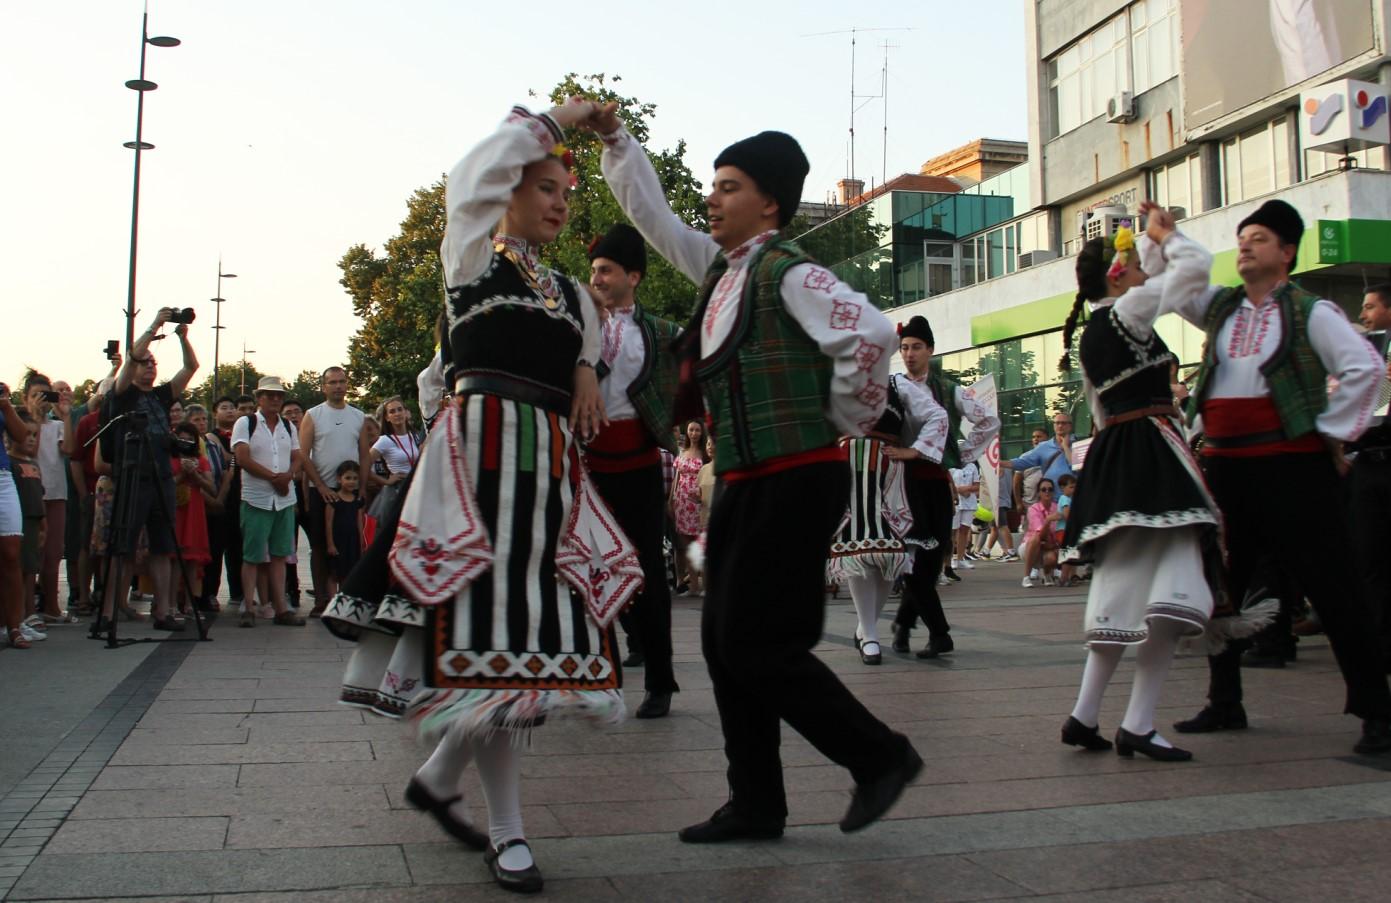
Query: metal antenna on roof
point(853, 96)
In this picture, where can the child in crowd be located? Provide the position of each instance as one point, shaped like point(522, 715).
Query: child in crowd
point(28, 482)
point(343, 524)
point(1067, 483)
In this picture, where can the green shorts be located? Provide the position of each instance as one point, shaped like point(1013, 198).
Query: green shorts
point(266, 534)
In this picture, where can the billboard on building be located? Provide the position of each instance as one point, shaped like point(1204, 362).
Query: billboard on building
point(1236, 52)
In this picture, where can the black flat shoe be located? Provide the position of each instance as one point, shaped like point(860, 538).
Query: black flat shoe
point(654, 705)
point(634, 660)
point(1128, 744)
point(522, 881)
point(870, 801)
point(871, 658)
point(422, 799)
point(726, 825)
point(901, 638)
point(1376, 737)
point(1214, 718)
point(938, 645)
point(1075, 733)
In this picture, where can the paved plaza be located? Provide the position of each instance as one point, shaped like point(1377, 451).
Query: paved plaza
point(226, 771)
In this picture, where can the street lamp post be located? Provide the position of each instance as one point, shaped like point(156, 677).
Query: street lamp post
point(140, 86)
point(217, 330)
point(244, 353)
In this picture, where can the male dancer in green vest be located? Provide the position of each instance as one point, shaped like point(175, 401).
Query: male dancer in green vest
point(783, 358)
point(929, 490)
point(637, 377)
point(1270, 424)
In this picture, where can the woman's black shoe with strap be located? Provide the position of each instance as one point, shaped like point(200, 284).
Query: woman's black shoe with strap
point(522, 881)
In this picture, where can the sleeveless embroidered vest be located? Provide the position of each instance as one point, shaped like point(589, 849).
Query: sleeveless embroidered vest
point(496, 320)
point(1127, 373)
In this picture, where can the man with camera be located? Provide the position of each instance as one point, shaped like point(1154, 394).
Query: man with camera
point(138, 404)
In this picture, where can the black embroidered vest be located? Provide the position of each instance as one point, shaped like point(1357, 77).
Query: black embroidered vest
point(1127, 373)
point(890, 422)
point(507, 338)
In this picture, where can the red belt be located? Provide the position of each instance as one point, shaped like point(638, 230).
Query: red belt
point(786, 462)
point(621, 446)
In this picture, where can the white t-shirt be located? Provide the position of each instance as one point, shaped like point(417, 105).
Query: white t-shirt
point(968, 473)
point(270, 448)
point(335, 438)
point(399, 452)
point(52, 464)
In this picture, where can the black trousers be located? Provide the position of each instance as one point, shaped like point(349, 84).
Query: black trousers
point(224, 542)
point(930, 501)
point(1370, 498)
point(635, 498)
point(1287, 512)
point(765, 605)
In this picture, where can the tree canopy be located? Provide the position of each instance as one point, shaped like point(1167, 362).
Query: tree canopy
point(399, 294)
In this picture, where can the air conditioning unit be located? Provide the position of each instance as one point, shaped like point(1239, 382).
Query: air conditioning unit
point(1031, 258)
point(1121, 108)
point(1106, 224)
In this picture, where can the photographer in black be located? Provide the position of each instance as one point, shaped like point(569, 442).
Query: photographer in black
point(137, 400)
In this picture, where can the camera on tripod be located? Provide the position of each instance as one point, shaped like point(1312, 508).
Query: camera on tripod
point(184, 316)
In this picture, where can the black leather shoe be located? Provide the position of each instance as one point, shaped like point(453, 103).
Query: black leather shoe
point(1075, 733)
point(522, 881)
point(422, 799)
point(1227, 717)
point(938, 645)
point(952, 575)
point(634, 660)
point(871, 658)
point(1376, 736)
point(1128, 744)
point(901, 637)
point(872, 800)
point(654, 705)
point(726, 825)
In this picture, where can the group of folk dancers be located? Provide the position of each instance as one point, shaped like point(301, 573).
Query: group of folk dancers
point(487, 601)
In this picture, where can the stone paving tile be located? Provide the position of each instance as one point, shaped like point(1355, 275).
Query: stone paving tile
point(572, 889)
point(360, 827)
point(1180, 892)
point(136, 777)
point(244, 753)
point(138, 835)
point(1369, 881)
point(200, 801)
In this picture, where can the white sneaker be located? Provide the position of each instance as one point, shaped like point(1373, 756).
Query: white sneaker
point(966, 565)
point(1011, 555)
point(1033, 574)
point(1027, 583)
point(265, 611)
point(32, 635)
point(942, 580)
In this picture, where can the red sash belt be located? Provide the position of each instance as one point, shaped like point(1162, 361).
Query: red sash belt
point(786, 462)
point(621, 446)
point(1249, 428)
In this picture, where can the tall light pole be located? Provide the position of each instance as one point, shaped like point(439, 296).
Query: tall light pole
point(244, 353)
point(140, 86)
point(217, 330)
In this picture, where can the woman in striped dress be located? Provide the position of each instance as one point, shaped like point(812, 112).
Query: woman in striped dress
point(506, 572)
point(874, 545)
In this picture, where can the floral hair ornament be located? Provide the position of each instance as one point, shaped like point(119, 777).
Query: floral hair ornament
point(1122, 243)
point(567, 159)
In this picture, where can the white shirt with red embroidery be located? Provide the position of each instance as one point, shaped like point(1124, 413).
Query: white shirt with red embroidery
point(985, 426)
point(1252, 335)
point(845, 325)
point(623, 349)
point(476, 195)
point(925, 422)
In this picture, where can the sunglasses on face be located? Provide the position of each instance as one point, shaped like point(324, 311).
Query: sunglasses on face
point(1045, 489)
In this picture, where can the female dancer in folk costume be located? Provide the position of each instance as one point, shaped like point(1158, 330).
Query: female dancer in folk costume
point(875, 543)
point(500, 516)
point(1141, 512)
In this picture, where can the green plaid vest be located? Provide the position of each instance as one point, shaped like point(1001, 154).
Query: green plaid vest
point(766, 389)
point(654, 388)
point(944, 390)
point(1297, 380)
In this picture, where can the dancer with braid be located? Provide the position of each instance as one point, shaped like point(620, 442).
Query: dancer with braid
point(1148, 540)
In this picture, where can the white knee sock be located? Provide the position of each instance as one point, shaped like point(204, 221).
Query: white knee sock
point(869, 595)
point(500, 769)
point(1102, 659)
point(443, 773)
point(1152, 661)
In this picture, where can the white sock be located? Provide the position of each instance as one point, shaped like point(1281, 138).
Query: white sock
point(444, 770)
point(1152, 661)
point(500, 770)
point(868, 594)
point(1102, 659)
point(1033, 574)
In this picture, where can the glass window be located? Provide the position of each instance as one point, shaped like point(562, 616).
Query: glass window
point(1154, 29)
point(1086, 75)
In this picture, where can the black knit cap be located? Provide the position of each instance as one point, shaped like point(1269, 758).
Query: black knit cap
point(624, 246)
point(775, 161)
point(917, 328)
point(1278, 217)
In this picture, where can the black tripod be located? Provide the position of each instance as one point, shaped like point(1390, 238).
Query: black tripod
point(137, 465)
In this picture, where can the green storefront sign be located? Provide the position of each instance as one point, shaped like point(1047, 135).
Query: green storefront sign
point(1332, 238)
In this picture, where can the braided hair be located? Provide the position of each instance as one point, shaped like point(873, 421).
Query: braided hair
point(1092, 264)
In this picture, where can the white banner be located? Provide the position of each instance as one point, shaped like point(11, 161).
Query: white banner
point(984, 391)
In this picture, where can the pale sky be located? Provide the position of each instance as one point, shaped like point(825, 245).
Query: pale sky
point(287, 131)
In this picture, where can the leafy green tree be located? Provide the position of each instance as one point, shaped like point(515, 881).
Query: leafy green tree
point(229, 382)
point(306, 388)
point(399, 295)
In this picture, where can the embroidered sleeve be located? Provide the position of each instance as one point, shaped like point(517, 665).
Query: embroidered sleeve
point(1355, 364)
point(852, 332)
point(635, 185)
point(479, 188)
point(1187, 287)
point(1189, 270)
point(931, 440)
point(430, 388)
point(589, 347)
point(985, 425)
